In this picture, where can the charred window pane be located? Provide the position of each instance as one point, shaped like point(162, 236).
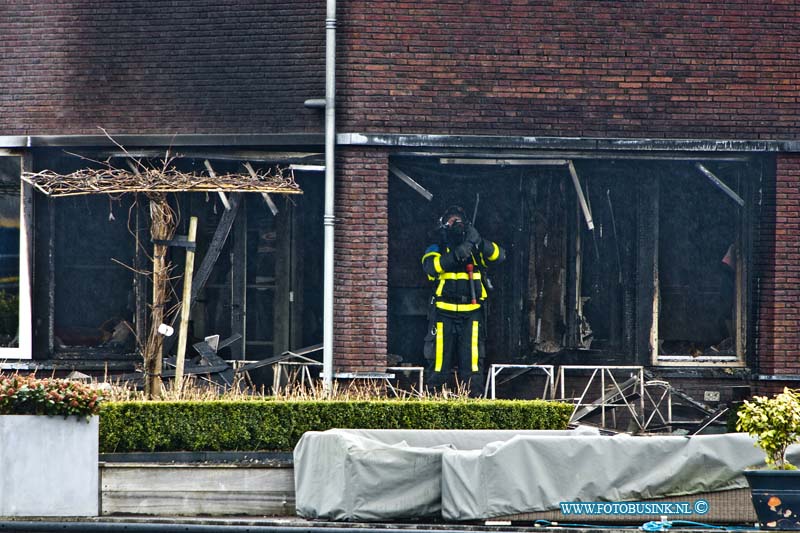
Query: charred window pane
point(608, 256)
point(698, 239)
point(547, 198)
point(94, 250)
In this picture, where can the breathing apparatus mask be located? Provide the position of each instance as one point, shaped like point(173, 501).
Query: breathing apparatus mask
point(453, 224)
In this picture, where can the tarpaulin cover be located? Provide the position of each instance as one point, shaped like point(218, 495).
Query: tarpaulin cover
point(529, 474)
point(472, 475)
point(350, 474)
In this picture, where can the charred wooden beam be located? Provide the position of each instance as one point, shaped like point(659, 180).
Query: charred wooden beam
point(222, 195)
point(140, 279)
point(587, 213)
point(267, 198)
point(647, 271)
point(51, 276)
point(239, 287)
point(720, 184)
point(408, 180)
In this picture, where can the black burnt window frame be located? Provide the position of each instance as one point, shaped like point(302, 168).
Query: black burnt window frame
point(716, 216)
point(294, 290)
point(619, 190)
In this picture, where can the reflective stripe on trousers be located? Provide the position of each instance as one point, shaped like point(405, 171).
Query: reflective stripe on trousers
point(439, 346)
point(474, 344)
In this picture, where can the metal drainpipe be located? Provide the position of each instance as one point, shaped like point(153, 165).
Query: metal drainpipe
point(329, 219)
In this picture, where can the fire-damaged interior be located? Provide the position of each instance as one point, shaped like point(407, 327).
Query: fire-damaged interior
point(611, 260)
point(93, 257)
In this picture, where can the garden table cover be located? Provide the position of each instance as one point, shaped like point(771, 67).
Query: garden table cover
point(371, 475)
point(528, 474)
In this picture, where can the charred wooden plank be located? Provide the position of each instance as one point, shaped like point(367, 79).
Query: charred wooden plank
point(239, 287)
point(647, 270)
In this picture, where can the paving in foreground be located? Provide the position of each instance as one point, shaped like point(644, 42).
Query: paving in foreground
point(149, 524)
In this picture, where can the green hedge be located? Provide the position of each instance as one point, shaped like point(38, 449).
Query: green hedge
point(278, 425)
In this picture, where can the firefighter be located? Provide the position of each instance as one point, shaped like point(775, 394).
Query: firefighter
point(457, 317)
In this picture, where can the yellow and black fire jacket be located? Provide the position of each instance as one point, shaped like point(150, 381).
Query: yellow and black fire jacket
point(452, 291)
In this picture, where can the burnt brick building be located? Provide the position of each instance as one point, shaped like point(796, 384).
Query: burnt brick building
point(638, 160)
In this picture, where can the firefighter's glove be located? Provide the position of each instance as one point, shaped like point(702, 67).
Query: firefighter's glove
point(473, 237)
point(463, 251)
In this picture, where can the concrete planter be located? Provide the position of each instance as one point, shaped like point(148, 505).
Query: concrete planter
point(48, 466)
point(171, 487)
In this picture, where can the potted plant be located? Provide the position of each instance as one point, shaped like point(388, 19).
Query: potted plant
point(775, 424)
point(48, 447)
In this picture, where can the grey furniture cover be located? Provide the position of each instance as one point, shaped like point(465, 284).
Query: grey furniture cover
point(351, 474)
point(372, 475)
point(528, 474)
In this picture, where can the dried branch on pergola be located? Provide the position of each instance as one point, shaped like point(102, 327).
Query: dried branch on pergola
point(111, 180)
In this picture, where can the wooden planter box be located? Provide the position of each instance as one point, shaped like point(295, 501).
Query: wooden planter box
point(48, 466)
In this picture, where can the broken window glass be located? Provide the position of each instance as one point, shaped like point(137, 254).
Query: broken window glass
point(698, 258)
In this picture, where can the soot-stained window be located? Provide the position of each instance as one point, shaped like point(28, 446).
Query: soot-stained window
point(257, 272)
point(610, 261)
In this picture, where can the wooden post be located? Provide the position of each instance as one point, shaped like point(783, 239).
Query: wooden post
point(162, 228)
point(25, 287)
point(153, 359)
point(186, 305)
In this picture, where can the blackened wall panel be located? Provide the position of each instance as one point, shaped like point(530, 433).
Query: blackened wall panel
point(137, 66)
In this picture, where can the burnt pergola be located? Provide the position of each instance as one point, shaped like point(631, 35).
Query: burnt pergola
point(156, 182)
point(142, 178)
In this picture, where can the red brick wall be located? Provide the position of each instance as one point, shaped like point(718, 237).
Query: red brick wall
point(557, 67)
point(362, 252)
point(778, 267)
point(138, 66)
point(685, 69)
